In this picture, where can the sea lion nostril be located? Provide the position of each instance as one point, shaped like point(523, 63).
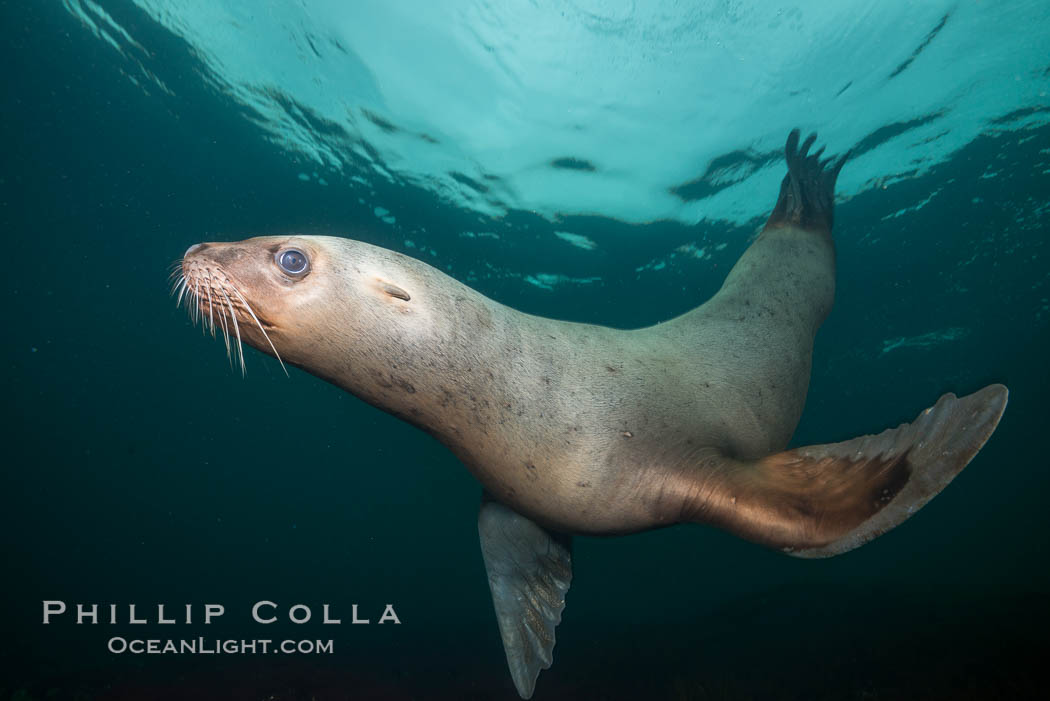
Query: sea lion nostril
point(194, 248)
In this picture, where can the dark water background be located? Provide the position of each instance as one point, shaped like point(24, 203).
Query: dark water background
point(139, 469)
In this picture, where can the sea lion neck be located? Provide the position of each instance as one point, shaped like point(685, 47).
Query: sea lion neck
point(424, 347)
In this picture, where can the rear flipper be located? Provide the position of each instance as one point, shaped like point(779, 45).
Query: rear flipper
point(822, 500)
point(807, 193)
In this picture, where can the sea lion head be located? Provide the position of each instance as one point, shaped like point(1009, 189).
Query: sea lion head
point(313, 301)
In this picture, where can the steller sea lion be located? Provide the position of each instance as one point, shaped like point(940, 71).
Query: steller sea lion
point(581, 429)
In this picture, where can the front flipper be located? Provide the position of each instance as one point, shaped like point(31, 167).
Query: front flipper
point(822, 500)
point(529, 572)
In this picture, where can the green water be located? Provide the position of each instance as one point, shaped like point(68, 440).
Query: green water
point(140, 469)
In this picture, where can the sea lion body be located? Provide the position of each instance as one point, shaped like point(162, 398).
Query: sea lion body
point(581, 429)
point(574, 425)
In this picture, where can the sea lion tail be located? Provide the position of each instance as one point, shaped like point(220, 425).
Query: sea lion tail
point(807, 193)
point(823, 500)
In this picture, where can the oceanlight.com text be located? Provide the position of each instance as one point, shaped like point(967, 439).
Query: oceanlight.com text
point(216, 646)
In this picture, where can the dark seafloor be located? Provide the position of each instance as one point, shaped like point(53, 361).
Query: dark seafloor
point(139, 468)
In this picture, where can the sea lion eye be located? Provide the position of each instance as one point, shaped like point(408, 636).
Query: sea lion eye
point(293, 261)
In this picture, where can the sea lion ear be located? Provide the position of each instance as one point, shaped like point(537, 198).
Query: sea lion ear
point(529, 571)
point(394, 291)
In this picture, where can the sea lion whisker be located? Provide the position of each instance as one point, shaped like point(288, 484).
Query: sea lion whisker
point(259, 324)
point(173, 287)
point(228, 337)
point(190, 302)
point(225, 334)
point(181, 287)
point(174, 269)
point(211, 315)
point(236, 330)
point(196, 299)
point(173, 278)
point(189, 298)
